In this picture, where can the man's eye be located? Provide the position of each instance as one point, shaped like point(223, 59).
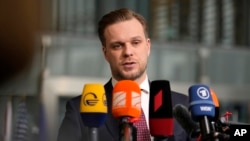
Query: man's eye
point(116, 46)
point(136, 42)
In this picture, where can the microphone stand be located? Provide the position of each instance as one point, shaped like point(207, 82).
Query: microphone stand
point(214, 134)
point(218, 136)
point(93, 132)
point(128, 131)
point(205, 128)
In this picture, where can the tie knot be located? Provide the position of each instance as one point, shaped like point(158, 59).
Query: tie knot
point(144, 91)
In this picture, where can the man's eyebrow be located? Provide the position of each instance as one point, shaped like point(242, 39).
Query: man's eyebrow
point(137, 37)
point(116, 42)
point(121, 42)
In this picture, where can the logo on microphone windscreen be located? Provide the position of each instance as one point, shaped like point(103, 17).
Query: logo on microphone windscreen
point(126, 99)
point(157, 100)
point(93, 99)
point(90, 99)
point(203, 93)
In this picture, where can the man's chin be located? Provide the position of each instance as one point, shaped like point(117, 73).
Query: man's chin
point(130, 76)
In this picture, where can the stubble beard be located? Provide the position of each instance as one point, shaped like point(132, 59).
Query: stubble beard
point(119, 75)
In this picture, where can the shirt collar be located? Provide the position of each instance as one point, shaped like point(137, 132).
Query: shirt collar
point(144, 85)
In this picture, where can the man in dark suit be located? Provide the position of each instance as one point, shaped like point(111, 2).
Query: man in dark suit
point(126, 47)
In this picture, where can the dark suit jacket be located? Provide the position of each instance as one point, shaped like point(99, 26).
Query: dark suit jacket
point(73, 129)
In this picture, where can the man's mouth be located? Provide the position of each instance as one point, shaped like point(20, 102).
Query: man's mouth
point(129, 64)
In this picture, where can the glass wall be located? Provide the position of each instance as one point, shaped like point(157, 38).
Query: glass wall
point(209, 22)
point(178, 62)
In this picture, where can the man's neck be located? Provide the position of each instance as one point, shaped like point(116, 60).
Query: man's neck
point(114, 81)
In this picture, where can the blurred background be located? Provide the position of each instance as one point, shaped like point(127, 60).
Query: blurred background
point(50, 49)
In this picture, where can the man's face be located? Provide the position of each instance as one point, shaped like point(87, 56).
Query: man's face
point(127, 50)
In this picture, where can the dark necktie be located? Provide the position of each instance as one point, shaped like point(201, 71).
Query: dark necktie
point(142, 130)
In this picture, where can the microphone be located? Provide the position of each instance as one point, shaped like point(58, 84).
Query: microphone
point(217, 128)
point(93, 108)
point(202, 108)
point(126, 106)
point(182, 115)
point(160, 110)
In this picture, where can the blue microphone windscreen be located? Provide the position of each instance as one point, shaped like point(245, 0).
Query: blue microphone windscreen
point(201, 103)
point(93, 119)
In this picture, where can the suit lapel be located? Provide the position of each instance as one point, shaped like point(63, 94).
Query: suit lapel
point(112, 124)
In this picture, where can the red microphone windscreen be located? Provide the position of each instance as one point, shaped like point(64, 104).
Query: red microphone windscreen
point(126, 99)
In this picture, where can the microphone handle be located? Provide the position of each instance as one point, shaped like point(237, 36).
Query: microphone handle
point(93, 134)
point(205, 128)
point(128, 132)
point(215, 134)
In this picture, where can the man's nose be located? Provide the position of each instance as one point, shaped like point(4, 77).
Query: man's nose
point(128, 50)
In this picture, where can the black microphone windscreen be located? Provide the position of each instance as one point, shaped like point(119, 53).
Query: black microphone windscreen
point(160, 109)
point(182, 115)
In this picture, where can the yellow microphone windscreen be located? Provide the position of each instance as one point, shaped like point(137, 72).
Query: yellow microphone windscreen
point(93, 99)
point(93, 105)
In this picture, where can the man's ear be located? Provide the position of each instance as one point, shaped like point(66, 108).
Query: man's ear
point(149, 46)
point(104, 50)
